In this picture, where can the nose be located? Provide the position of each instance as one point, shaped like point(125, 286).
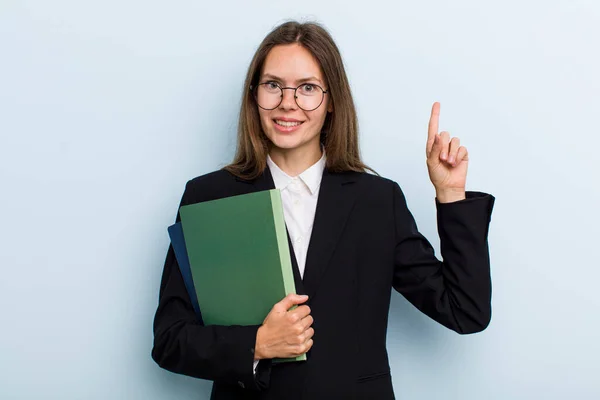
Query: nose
point(288, 102)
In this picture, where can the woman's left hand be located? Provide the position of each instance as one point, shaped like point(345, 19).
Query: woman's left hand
point(447, 161)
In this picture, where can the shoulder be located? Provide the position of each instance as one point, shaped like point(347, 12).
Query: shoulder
point(209, 186)
point(382, 193)
point(376, 190)
point(218, 177)
point(375, 182)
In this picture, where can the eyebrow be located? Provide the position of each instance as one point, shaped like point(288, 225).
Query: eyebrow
point(276, 78)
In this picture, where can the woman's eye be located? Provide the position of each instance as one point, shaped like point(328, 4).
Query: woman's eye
point(308, 88)
point(272, 85)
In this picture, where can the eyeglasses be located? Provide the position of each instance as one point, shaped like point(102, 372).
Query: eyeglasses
point(269, 95)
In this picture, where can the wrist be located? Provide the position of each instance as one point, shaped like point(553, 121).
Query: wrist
point(450, 195)
point(258, 345)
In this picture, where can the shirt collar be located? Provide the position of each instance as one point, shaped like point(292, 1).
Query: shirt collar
point(311, 176)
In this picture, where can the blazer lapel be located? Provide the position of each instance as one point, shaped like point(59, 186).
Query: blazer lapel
point(337, 196)
point(265, 182)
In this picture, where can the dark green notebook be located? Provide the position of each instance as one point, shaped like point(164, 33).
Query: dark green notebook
point(239, 257)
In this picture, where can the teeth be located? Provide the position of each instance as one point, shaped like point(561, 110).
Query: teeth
point(286, 123)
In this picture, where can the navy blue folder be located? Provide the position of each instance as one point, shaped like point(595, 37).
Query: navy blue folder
point(178, 243)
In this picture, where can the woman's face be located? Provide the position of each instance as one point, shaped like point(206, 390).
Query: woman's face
point(288, 126)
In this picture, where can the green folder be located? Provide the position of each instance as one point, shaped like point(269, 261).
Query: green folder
point(239, 257)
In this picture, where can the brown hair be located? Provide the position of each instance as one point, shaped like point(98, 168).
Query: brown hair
point(339, 135)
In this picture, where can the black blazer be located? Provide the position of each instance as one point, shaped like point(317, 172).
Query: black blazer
point(364, 243)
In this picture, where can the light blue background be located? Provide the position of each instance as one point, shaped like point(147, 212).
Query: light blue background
point(108, 107)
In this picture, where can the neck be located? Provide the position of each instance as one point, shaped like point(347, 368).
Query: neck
point(295, 161)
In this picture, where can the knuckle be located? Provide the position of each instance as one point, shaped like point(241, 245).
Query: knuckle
point(292, 318)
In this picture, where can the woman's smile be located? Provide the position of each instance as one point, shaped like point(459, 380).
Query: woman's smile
point(286, 125)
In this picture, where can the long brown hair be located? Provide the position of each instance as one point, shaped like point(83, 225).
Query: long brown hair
point(339, 134)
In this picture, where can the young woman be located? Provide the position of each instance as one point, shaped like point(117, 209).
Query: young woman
point(352, 239)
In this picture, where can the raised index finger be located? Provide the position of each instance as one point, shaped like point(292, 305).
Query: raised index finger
point(433, 126)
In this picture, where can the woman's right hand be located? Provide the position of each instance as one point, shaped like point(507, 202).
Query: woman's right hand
point(285, 334)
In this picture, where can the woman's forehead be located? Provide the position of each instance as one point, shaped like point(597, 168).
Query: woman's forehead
point(291, 63)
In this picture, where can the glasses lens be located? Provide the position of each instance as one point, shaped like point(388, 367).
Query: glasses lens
point(268, 95)
point(309, 96)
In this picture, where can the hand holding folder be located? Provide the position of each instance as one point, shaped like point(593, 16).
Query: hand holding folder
point(234, 258)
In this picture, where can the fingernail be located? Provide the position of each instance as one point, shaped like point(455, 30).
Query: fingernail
point(451, 160)
point(443, 156)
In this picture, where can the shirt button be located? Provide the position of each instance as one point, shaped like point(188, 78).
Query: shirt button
point(296, 202)
point(241, 384)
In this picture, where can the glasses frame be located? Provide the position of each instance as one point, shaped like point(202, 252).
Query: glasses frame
point(254, 90)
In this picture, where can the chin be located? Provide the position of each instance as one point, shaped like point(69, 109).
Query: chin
point(287, 143)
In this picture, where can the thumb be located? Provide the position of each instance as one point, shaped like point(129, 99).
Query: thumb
point(291, 300)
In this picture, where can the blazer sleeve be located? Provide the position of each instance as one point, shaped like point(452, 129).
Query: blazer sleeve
point(455, 292)
point(182, 344)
